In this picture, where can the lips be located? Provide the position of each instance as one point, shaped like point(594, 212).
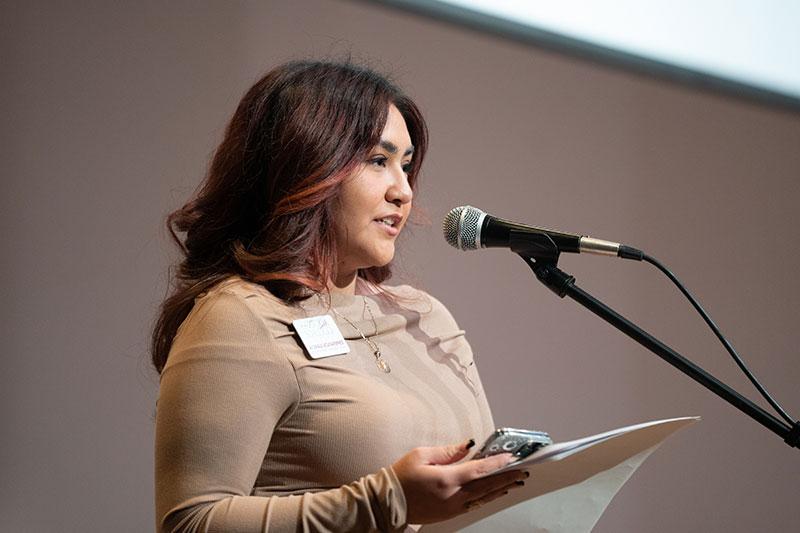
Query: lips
point(391, 223)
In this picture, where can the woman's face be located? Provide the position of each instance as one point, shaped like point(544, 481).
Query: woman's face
point(375, 201)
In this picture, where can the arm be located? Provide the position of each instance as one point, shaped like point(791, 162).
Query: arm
point(222, 393)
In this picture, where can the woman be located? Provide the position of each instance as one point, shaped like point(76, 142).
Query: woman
point(297, 219)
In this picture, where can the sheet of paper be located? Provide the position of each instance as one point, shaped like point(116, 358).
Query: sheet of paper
point(570, 485)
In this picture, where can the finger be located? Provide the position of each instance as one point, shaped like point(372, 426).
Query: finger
point(445, 455)
point(486, 498)
point(494, 482)
point(478, 468)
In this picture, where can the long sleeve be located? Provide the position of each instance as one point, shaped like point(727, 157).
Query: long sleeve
point(225, 389)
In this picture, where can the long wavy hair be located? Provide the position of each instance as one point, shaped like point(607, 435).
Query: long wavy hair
point(265, 209)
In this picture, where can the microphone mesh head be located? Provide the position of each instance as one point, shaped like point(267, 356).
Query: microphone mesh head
point(460, 227)
point(450, 226)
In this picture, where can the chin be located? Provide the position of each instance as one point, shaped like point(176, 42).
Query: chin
point(370, 257)
point(381, 260)
point(381, 263)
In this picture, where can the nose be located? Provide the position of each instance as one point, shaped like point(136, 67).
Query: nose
point(399, 192)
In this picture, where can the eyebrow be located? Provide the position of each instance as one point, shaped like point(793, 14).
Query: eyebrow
point(392, 148)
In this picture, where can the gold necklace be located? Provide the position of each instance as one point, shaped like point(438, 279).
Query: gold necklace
point(379, 360)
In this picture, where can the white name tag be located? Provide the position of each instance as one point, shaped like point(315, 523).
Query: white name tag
point(320, 336)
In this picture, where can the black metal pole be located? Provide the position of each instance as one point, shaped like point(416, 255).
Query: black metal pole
point(564, 285)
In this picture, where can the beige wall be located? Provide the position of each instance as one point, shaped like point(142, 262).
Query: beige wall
point(110, 115)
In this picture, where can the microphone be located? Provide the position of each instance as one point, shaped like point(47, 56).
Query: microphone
point(469, 228)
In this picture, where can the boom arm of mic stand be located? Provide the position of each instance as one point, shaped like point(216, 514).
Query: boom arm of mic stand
point(542, 257)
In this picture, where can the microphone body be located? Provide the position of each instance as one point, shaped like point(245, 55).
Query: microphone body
point(496, 233)
point(469, 228)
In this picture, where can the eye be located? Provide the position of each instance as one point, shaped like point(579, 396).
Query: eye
point(379, 161)
point(408, 167)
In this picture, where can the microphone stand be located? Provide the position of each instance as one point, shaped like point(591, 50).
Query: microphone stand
point(541, 254)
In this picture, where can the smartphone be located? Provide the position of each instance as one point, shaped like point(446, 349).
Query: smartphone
point(518, 442)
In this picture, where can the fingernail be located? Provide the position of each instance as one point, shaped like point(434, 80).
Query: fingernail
point(519, 483)
point(470, 444)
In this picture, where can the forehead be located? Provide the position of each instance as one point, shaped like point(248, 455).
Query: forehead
point(396, 130)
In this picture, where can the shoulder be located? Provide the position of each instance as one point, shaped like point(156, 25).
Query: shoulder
point(248, 290)
point(236, 306)
point(236, 322)
point(244, 294)
point(228, 340)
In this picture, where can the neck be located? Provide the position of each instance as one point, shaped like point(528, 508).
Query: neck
point(343, 284)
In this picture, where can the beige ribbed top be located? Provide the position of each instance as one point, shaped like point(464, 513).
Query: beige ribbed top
point(253, 435)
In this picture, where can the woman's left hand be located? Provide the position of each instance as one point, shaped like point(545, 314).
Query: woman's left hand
point(436, 489)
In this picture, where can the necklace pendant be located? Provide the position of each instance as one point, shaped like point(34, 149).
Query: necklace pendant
point(383, 365)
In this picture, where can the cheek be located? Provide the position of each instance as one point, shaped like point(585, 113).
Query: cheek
point(358, 201)
point(406, 212)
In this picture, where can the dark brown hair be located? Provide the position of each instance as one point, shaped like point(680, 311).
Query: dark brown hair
point(264, 210)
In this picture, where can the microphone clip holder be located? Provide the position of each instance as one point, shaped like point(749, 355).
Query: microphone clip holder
point(541, 254)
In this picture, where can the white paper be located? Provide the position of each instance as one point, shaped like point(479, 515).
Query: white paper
point(571, 483)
